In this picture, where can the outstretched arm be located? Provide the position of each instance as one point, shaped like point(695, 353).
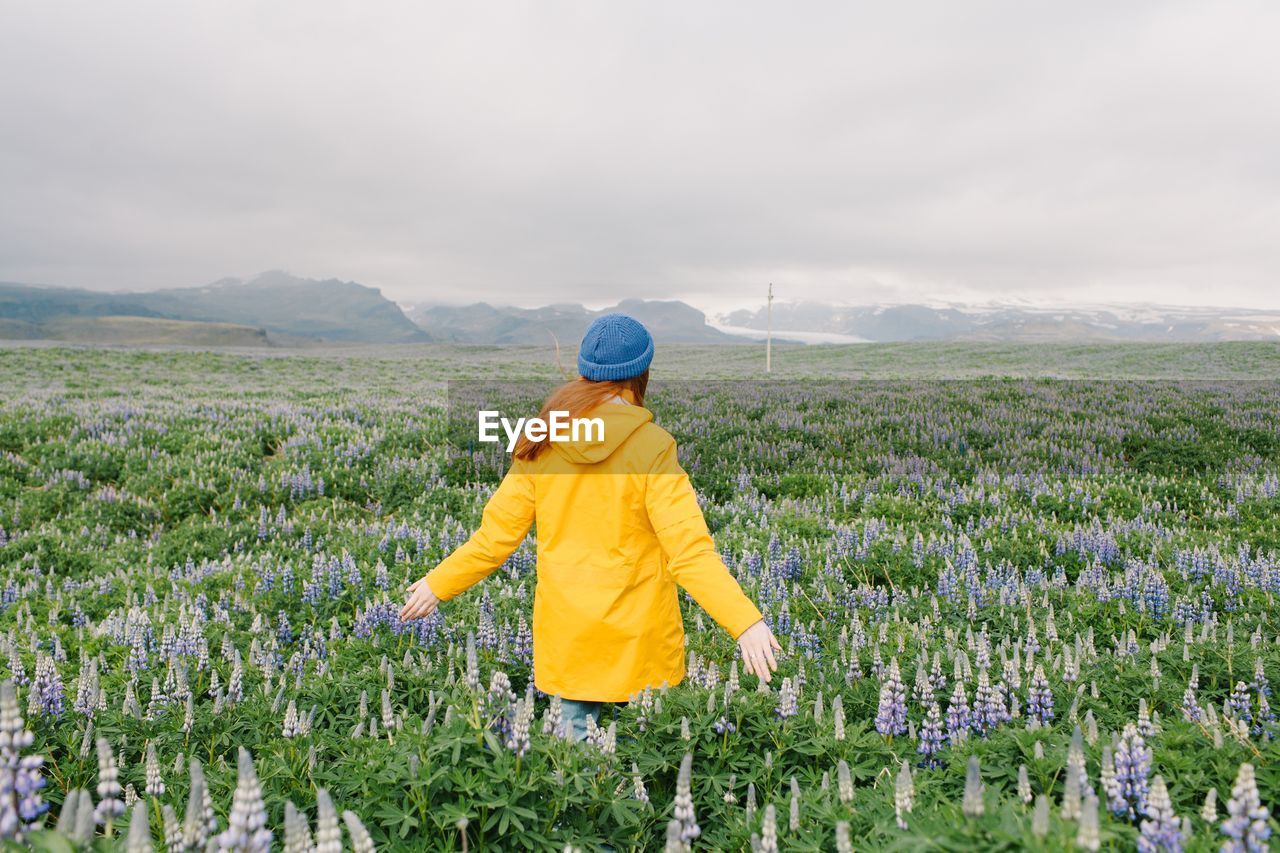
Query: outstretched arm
point(696, 566)
point(506, 520)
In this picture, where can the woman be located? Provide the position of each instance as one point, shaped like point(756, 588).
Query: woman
point(618, 527)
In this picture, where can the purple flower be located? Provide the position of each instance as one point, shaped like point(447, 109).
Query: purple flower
point(1162, 831)
point(1238, 702)
point(1040, 698)
point(931, 736)
point(959, 719)
point(521, 718)
point(47, 697)
point(891, 718)
point(1246, 822)
point(989, 710)
point(1133, 766)
point(20, 777)
point(497, 704)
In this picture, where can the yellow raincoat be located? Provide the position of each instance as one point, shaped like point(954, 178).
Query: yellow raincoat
point(618, 527)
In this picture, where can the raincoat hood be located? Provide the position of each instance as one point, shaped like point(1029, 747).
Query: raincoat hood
point(620, 421)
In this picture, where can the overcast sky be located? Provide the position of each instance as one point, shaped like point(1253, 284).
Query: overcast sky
point(534, 152)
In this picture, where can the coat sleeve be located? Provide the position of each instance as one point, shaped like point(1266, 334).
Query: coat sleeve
point(691, 555)
point(503, 526)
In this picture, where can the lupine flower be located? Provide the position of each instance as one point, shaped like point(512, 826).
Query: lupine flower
point(139, 838)
point(47, 697)
point(247, 824)
point(1024, 783)
point(110, 805)
point(922, 689)
point(843, 843)
point(1040, 817)
point(290, 727)
point(297, 832)
point(81, 818)
point(552, 721)
point(1088, 836)
point(1132, 768)
point(1190, 705)
point(1076, 777)
point(769, 830)
point(931, 736)
point(689, 829)
point(1246, 823)
point(473, 664)
point(891, 717)
point(155, 784)
point(86, 700)
point(1161, 832)
point(958, 717)
point(973, 805)
point(640, 793)
point(235, 685)
point(1209, 811)
point(497, 703)
point(1040, 698)
point(609, 740)
point(904, 792)
point(360, 840)
point(328, 832)
point(172, 829)
point(673, 844)
point(787, 706)
point(199, 823)
point(20, 778)
point(522, 719)
point(1265, 718)
point(1237, 702)
point(989, 709)
point(844, 781)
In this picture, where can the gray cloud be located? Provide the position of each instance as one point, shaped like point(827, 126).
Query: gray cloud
point(550, 151)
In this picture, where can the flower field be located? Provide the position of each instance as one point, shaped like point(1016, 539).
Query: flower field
point(1015, 613)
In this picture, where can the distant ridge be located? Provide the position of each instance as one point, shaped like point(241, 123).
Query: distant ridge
point(136, 331)
point(274, 303)
point(1019, 323)
point(482, 323)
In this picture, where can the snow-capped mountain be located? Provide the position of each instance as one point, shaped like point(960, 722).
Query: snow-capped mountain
point(1010, 321)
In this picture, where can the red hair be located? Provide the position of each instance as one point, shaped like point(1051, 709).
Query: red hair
point(578, 398)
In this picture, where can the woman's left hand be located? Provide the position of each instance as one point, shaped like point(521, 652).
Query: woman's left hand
point(758, 645)
point(421, 602)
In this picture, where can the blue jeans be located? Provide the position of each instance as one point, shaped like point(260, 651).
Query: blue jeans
point(574, 713)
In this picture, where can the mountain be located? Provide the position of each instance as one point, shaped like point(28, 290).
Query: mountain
point(276, 307)
point(276, 303)
point(481, 323)
point(1014, 322)
point(25, 304)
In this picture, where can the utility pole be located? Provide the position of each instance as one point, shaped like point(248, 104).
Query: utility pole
point(768, 335)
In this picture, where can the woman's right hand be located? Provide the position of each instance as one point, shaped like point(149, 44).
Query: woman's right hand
point(757, 645)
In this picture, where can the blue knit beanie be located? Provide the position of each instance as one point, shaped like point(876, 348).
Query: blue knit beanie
point(615, 347)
